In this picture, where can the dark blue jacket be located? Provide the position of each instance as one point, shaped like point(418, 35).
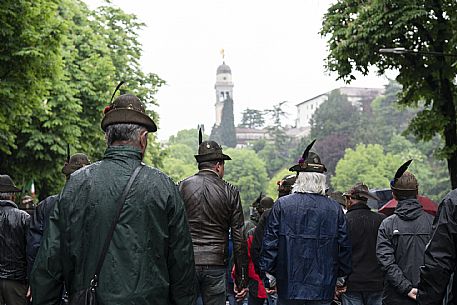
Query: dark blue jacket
point(38, 224)
point(306, 246)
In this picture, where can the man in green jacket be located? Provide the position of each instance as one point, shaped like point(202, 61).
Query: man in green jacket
point(150, 259)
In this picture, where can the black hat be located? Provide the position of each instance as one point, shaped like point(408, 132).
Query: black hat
point(127, 109)
point(309, 162)
point(266, 202)
point(403, 180)
point(7, 185)
point(209, 150)
point(74, 163)
point(360, 192)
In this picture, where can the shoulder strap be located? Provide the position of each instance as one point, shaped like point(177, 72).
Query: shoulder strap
point(120, 204)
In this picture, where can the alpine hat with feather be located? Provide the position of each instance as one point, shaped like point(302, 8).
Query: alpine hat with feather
point(309, 162)
point(127, 109)
point(404, 183)
point(209, 150)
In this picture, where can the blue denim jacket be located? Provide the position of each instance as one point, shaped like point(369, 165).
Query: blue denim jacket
point(306, 246)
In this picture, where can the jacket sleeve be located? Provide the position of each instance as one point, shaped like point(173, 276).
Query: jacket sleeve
point(47, 273)
point(385, 253)
point(344, 246)
point(239, 242)
point(256, 246)
point(269, 252)
point(440, 256)
point(34, 236)
point(180, 260)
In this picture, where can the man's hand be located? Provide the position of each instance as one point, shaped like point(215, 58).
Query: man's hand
point(240, 293)
point(29, 295)
point(413, 293)
point(339, 290)
point(271, 290)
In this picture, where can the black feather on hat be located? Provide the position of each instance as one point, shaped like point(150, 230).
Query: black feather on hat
point(404, 181)
point(309, 162)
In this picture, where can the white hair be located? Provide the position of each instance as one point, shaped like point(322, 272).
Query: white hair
point(309, 182)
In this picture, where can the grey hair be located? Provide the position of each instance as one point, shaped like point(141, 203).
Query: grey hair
point(6, 196)
point(309, 182)
point(123, 132)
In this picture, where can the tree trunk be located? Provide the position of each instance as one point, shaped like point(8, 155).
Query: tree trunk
point(450, 130)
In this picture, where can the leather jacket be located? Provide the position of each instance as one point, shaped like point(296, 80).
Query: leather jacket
point(213, 207)
point(14, 224)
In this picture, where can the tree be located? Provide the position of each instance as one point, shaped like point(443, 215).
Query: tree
point(178, 169)
point(356, 30)
point(225, 134)
point(68, 71)
point(252, 118)
point(272, 187)
point(247, 172)
point(368, 164)
point(188, 137)
point(276, 153)
point(335, 116)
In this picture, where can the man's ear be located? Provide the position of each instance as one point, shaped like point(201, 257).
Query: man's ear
point(144, 139)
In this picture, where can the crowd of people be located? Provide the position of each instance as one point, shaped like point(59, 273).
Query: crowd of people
point(121, 232)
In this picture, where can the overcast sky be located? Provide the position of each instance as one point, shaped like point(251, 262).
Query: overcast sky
point(272, 47)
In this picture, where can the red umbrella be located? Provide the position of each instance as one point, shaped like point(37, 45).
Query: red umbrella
point(427, 204)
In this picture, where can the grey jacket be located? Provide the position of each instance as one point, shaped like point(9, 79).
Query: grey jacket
point(402, 238)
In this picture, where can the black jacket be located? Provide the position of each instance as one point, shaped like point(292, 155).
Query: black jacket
point(14, 224)
point(441, 255)
point(363, 226)
point(402, 238)
point(213, 206)
point(257, 240)
point(38, 224)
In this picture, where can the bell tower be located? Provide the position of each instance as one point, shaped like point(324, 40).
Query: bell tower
point(223, 87)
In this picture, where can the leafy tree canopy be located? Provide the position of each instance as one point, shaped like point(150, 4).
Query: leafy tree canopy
point(252, 118)
point(356, 30)
point(247, 172)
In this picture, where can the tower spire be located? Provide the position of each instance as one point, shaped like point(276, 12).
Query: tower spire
point(223, 55)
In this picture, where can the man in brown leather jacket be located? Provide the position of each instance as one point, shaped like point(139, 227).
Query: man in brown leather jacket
point(213, 207)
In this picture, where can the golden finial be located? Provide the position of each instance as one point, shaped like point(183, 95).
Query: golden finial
point(223, 54)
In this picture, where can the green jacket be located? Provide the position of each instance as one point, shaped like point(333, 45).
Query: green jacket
point(150, 259)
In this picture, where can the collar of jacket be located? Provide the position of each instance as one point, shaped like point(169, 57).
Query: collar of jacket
point(128, 151)
point(359, 206)
point(207, 171)
point(7, 203)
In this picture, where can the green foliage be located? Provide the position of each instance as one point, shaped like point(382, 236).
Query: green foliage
point(64, 63)
point(178, 169)
point(356, 30)
point(272, 187)
point(335, 116)
point(252, 118)
point(368, 164)
point(247, 172)
point(187, 137)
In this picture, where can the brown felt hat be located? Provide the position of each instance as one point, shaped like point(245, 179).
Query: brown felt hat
point(7, 185)
point(127, 109)
point(76, 162)
point(360, 191)
point(209, 150)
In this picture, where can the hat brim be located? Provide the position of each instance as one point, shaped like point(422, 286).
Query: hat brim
point(365, 195)
point(69, 169)
point(313, 168)
point(128, 116)
point(211, 157)
point(9, 189)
